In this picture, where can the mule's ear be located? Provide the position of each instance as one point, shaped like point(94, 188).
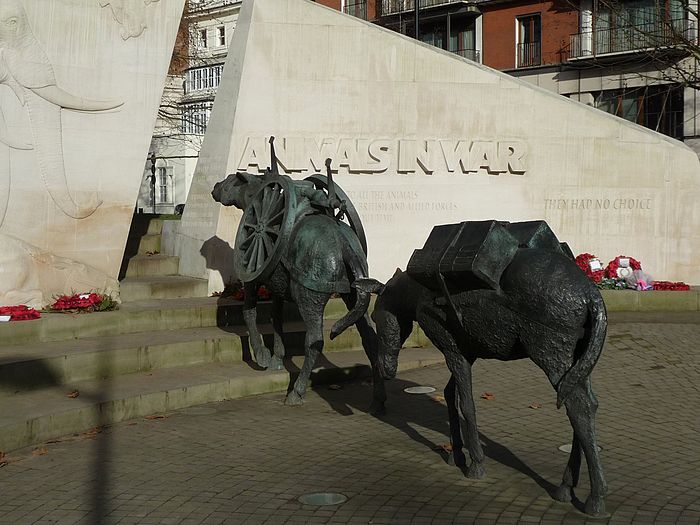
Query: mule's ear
point(243, 176)
point(397, 272)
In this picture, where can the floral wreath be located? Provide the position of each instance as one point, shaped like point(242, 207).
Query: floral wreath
point(611, 271)
point(584, 260)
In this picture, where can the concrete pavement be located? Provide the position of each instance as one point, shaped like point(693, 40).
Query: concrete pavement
point(248, 460)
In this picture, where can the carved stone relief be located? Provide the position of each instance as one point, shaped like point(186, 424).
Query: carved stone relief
point(25, 69)
point(29, 275)
point(130, 14)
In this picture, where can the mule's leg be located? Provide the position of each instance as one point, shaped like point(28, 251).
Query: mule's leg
point(571, 473)
point(311, 305)
point(278, 331)
point(462, 370)
point(581, 407)
point(369, 343)
point(456, 456)
point(433, 321)
point(260, 353)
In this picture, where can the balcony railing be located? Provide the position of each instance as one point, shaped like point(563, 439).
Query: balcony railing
point(471, 54)
point(529, 54)
point(357, 8)
point(201, 5)
point(392, 7)
point(661, 34)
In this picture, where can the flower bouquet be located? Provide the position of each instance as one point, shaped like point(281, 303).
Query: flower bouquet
point(18, 313)
point(83, 302)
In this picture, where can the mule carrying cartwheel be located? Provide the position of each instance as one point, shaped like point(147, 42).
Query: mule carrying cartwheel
point(269, 220)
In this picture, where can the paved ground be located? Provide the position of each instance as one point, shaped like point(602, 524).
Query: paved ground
point(247, 461)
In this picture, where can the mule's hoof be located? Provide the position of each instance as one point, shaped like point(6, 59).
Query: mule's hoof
point(476, 471)
point(276, 363)
point(595, 506)
point(563, 493)
point(293, 399)
point(377, 408)
point(262, 358)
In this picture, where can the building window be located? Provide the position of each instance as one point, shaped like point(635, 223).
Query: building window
point(528, 38)
point(163, 185)
point(462, 39)
point(203, 78)
point(221, 34)
point(356, 8)
point(195, 118)
point(656, 107)
point(203, 42)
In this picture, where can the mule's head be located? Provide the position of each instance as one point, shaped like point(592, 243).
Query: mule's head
point(237, 189)
point(394, 323)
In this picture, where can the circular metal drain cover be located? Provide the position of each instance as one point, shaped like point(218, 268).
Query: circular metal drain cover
point(320, 499)
point(567, 448)
point(199, 411)
point(419, 390)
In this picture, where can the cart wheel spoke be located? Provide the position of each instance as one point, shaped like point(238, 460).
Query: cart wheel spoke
point(269, 245)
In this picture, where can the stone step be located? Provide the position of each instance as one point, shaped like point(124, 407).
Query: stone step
point(33, 417)
point(162, 287)
point(148, 265)
point(155, 227)
point(33, 366)
point(149, 243)
point(144, 316)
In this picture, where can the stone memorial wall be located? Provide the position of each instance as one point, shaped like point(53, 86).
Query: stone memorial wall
point(420, 137)
point(80, 84)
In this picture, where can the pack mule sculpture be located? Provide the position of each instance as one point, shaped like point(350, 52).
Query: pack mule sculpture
point(524, 298)
point(292, 240)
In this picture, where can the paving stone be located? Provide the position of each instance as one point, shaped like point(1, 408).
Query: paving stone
point(251, 459)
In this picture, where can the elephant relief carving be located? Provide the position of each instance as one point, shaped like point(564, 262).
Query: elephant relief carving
point(25, 69)
point(31, 276)
point(130, 14)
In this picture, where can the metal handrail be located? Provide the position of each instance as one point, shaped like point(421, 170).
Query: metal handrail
point(471, 54)
point(666, 33)
point(392, 7)
point(529, 54)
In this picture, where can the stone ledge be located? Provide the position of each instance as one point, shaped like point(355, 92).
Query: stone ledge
point(33, 417)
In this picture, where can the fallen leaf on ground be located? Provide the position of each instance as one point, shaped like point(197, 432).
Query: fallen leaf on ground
point(439, 398)
point(488, 396)
point(42, 451)
point(535, 405)
point(90, 434)
point(73, 394)
point(447, 447)
point(156, 416)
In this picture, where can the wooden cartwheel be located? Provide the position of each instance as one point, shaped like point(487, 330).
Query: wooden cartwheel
point(264, 230)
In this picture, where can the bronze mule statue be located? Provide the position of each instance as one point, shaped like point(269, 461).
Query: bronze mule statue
point(539, 306)
point(291, 239)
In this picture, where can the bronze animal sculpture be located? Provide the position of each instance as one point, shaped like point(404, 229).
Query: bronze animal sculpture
point(535, 303)
point(292, 240)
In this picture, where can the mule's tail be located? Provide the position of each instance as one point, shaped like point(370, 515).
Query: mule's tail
point(598, 326)
point(363, 287)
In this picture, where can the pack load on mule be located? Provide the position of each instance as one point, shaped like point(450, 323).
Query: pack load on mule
point(272, 213)
point(302, 239)
point(472, 255)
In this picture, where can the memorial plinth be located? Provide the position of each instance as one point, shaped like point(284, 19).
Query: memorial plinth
point(422, 137)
